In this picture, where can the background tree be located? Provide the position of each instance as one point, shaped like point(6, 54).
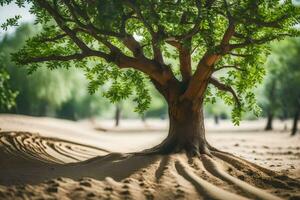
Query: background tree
point(289, 92)
point(60, 93)
point(218, 110)
point(202, 36)
point(270, 101)
point(7, 95)
point(282, 84)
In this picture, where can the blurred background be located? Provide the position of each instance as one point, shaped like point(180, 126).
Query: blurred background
point(63, 93)
point(56, 103)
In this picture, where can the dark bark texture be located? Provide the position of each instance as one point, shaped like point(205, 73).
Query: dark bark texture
point(186, 130)
point(295, 122)
point(269, 122)
point(117, 115)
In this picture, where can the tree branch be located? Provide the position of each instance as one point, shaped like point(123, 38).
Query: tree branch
point(60, 22)
point(88, 25)
point(230, 31)
point(155, 35)
point(239, 55)
point(250, 41)
point(272, 24)
point(185, 63)
point(215, 82)
point(198, 83)
point(162, 74)
point(229, 66)
point(133, 45)
point(199, 80)
point(196, 28)
point(156, 70)
point(76, 56)
point(184, 57)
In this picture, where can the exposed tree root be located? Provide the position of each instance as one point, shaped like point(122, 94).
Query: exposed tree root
point(208, 190)
point(212, 167)
point(169, 146)
point(152, 174)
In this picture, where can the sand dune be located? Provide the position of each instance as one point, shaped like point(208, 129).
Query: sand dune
point(37, 166)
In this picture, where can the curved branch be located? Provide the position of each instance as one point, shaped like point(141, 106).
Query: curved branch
point(199, 80)
point(250, 41)
point(221, 86)
point(155, 35)
point(185, 63)
point(198, 83)
point(196, 28)
point(76, 56)
point(239, 55)
point(229, 66)
point(60, 22)
point(133, 45)
point(184, 57)
point(89, 24)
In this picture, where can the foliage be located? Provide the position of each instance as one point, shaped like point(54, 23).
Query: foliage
point(268, 95)
point(284, 76)
point(140, 37)
point(7, 96)
point(289, 92)
point(60, 92)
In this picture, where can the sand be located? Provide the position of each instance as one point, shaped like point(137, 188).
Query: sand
point(45, 158)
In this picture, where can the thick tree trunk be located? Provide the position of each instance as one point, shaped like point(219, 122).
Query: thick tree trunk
point(186, 130)
point(269, 122)
point(295, 122)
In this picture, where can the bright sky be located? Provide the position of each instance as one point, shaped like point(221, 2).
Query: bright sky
point(11, 11)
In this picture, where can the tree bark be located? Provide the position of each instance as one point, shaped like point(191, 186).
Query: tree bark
point(216, 119)
point(295, 122)
point(269, 122)
point(186, 130)
point(117, 115)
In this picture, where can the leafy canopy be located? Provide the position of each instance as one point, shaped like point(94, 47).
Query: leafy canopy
point(7, 95)
point(180, 46)
point(284, 76)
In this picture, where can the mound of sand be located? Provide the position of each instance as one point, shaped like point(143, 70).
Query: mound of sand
point(34, 166)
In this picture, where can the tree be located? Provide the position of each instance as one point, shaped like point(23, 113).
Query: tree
point(137, 36)
point(117, 114)
point(7, 95)
point(270, 102)
point(282, 85)
point(289, 92)
point(41, 91)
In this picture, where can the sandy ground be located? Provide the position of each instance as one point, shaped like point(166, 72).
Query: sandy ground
point(44, 158)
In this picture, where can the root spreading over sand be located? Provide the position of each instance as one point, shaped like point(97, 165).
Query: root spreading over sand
point(35, 167)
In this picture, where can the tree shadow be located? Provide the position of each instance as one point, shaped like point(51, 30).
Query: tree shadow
point(24, 160)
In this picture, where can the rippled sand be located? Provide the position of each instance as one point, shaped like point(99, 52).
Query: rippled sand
point(43, 158)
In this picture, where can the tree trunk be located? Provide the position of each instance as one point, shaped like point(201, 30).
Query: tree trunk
point(269, 122)
point(295, 123)
point(186, 130)
point(216, 119)
point(143, 117)
point(117, 115)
